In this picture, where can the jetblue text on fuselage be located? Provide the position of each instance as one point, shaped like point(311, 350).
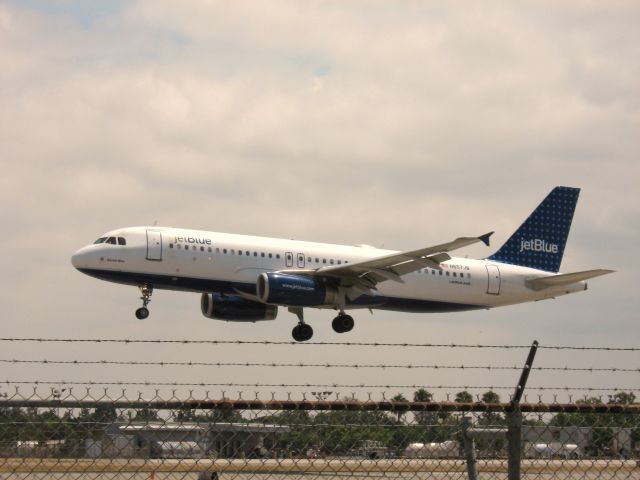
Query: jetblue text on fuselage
point(538, 245)
point(194, 240)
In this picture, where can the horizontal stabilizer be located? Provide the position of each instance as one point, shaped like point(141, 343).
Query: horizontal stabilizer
point(564, 279)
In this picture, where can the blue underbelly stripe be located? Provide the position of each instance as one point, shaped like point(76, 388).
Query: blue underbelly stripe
point(201, 285)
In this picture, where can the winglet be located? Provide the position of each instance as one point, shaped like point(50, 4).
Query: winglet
point(485, 238)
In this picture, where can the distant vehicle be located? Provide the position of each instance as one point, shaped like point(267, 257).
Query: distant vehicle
point(446, 449)
point(43, 448)
point(176, 450)
point(246, 279)
point(553, 450)
point(372, 449)
point(312, 453)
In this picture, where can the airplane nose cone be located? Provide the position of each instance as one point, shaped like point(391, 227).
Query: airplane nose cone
point(79, 259)
point(75, 259)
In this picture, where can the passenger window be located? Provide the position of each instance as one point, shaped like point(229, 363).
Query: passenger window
point(270, 255)
point(309, 259)
point(186, 247)
point(448, 274)
point(324, 260)
point(217, 250)
point(278, 256)
point(232, 251)
point(210, 249)
point(224, 251)
point(262, 254)
point(202, 249)
point(339, 262)
point(171, 245)
point(331, 261)
point(317, 260)
point(239, 252)
point(440, 273)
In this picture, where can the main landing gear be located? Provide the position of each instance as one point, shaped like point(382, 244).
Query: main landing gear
point(342, 323)
point(146, 291)
point(303, 331)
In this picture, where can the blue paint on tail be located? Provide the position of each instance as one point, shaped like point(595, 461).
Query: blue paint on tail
point(540, 240)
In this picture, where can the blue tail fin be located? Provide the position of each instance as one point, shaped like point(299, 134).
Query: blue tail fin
point(540, 240)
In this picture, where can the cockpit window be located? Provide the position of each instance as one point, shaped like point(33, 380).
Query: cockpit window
point(111, 240)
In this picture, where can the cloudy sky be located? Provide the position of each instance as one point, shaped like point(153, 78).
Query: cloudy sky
point(401, 124)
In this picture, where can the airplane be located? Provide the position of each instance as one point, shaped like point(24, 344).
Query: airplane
point(246, 278)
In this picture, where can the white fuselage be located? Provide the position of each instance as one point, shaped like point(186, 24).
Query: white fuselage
point(200, 261)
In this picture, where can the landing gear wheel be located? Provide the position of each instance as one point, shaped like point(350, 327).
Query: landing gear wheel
point(142, 313)
point(302, 332)
point(342, 323)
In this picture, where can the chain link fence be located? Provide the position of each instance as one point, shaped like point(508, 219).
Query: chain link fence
point(172, 430)
point(92, 433)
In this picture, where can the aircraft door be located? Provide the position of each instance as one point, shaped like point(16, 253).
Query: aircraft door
point(493, 274)
point(288, 259)
point(154, 245)
point(301, 260)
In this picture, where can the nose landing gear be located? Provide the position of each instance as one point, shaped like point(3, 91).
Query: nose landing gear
point(146, 291)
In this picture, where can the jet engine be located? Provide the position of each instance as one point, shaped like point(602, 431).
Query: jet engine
point(298, 290)
point(235, 309)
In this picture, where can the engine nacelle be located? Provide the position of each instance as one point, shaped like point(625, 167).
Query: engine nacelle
point(235, 309)
point(296, 290)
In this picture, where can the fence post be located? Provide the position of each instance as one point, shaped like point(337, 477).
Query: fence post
point(469, 449)
point(514, 418)
point(514, 443)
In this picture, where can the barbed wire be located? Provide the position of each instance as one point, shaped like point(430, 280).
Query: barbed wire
point(311, 385)
point(343, 344)
point(409, 366)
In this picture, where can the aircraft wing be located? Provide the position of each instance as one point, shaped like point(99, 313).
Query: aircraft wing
point(564, 279)
point(360, 277)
